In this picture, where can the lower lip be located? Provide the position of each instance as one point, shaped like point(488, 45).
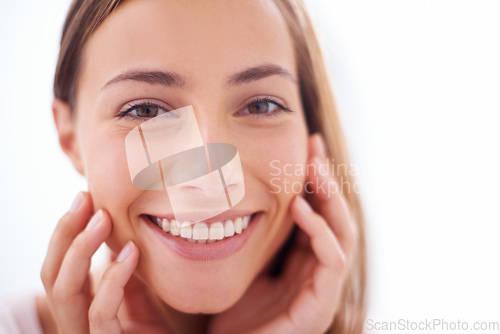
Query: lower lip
point(202, 252)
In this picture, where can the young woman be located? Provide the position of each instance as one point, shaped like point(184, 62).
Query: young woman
point(254, 75)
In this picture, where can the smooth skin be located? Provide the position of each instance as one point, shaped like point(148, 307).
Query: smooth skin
point(153, 289)
point(302, 300)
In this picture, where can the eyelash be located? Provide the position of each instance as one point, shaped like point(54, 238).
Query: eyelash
point(258, 99)
point(276, 113)
point(134, 106)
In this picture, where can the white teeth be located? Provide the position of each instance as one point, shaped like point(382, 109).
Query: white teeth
point(177, 223)
point(229, 228)
point(186, 223)
point(158, 221)
point(217, 231)
point(166, 225)
point(244, 224)
point(174, 228)
point(238, 223)
point(200, 231)
point(186, 231)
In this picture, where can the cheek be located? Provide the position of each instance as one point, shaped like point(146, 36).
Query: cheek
point(264, 157)
point(109, 179)
point(279, 159)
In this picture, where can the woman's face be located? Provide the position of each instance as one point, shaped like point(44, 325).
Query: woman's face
point(205, 44)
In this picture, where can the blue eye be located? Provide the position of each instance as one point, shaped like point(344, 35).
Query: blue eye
point(264, 106)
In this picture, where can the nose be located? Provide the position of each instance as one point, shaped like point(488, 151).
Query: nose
point(215, 128)
point(200, 171)
point(212, 186)
point(213, 122)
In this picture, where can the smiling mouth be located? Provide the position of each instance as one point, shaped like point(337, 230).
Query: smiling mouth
point(203, 232)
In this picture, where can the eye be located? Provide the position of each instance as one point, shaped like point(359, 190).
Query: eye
point(143, 110)
point(263, 106)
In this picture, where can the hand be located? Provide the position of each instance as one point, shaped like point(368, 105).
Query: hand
point(65, 276)
point(306, 296)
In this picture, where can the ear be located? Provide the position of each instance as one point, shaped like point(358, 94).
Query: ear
point(66, 129)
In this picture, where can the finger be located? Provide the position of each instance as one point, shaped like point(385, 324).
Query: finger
point(328, 199)
point(136, 300)
point(318, 299)
point(317, 147)
point(66, 230)
point(323, 241)
point(326, 248)
point(103, 313)
point(70, 294)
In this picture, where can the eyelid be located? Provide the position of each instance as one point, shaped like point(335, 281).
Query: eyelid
point(125, 110)
point(138, 102)
point(265, 98)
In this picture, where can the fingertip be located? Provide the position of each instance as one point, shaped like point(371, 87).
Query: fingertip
point(77, 202)
point(302, 204)
point(301, 210)
point(126, 251)
point(106, 217)
point(318, 146)
point(86, 200)
point(80, 204)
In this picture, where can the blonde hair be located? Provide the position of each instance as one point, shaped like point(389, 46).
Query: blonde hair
point(321, 115)
point(85, 16)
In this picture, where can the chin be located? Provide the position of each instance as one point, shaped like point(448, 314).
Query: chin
point(202, 299)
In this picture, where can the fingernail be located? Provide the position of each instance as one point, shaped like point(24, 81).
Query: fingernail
point(303, 204)
point(320, 143)
point(94, 221)
point(126, 251)
point(77, 202)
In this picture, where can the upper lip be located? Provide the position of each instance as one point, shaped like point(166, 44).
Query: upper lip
point(220, 217)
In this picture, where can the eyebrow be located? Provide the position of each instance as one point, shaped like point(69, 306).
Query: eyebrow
point(258, 72)
point(172, 79)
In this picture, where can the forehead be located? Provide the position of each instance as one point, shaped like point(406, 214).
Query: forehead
point(205, 41)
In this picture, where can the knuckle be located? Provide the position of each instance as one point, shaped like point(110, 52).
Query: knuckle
point(109, 274)
point(59, 294)
point(95, 317)
point(78, 245)
point(60, 227)
point(45, 276)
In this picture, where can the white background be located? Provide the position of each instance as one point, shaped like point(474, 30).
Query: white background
point(418, 90)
